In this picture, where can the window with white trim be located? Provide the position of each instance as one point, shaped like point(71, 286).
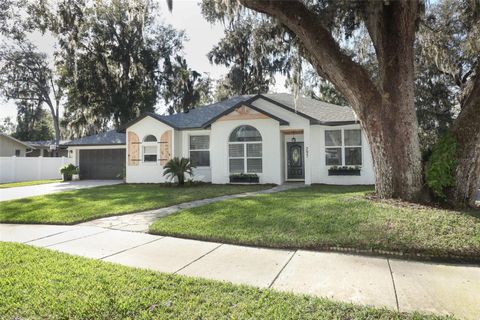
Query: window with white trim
point(150, 149)
point(343, 147)
point(200, 150)
point(245, 150)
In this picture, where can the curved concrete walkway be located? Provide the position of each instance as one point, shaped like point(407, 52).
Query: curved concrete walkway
point(141, 221)
point(381, 282)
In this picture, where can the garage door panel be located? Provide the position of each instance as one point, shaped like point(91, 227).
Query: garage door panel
point(102, 163)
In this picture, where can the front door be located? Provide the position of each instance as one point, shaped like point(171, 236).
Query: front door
point(295, 163)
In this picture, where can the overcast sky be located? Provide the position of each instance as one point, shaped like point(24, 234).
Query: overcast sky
point(186, 16)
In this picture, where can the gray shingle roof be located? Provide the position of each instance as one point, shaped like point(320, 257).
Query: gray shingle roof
point(321, 111)
point(46, 143)
point(111, 137)
point(198, 117)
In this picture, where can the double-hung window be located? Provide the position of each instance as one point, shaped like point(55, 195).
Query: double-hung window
point(200, 150)
point(245, 150)
point(343, 147)
point(150, 149)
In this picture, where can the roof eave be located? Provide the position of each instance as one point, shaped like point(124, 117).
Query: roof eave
point(248, 104)
point(95, 144)
point(336, 123)
point(124, 128)
point(18, 141)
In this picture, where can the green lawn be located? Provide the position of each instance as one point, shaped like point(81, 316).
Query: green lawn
point(42, 284)
point(320, 217)
point(27, 183)
point(87, 204)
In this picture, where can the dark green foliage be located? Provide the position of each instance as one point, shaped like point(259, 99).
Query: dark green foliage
point(184, 88)
point(253, 49)
point(7, 126)
point(244, 177)
point(68, 170)
point(33, 122)
point(178, 168)
point(440, 169)
point(111, 59)
point(27, 78)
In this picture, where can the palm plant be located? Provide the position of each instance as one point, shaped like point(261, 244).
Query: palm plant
point(177, 167)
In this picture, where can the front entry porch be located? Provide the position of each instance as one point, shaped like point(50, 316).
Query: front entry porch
point(294, 155)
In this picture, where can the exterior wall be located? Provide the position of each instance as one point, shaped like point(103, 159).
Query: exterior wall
point(199, 173)
point(148, 172)
point(296, 122)
point(320, 169)
point(8, 147)
point(13, 169)
point(274, 139)
point(271, 149)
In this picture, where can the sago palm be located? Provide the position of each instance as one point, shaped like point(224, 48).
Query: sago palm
point(178, 168)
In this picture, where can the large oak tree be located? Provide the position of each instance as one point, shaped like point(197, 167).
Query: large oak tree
point(384, 101)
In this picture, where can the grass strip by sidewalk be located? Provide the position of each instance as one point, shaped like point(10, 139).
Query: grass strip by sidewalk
point(71, 207)
point(27, 183)
point(38, 283)
point(321, 216)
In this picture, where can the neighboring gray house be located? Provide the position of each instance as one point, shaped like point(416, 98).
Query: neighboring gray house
point(43, 148)
point(9, 146)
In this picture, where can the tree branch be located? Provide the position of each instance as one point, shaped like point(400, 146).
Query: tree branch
point(351, 79)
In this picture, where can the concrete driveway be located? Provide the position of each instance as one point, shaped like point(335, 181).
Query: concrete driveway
point(451, 289)
point(38, 190)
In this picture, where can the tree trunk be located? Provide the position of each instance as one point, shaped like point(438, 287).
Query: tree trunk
point(56, 127)
point(466, 130)
point(386, 111)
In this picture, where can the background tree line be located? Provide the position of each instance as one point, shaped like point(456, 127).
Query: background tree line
point(113, 61)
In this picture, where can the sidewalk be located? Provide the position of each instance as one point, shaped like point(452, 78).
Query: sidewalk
point(381, 282)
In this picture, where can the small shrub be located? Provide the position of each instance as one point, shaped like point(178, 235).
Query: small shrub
point(440, 169)
point(68, 171)
point(178, 168)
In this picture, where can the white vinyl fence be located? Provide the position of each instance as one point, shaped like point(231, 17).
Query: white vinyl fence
point(13, 169)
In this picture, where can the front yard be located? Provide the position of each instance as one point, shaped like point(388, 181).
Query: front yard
point(86, 204)
point(27, 183)
point(42, 284)
point(321, 217)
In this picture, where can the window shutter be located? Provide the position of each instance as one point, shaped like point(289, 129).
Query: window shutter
point(165, 147)
point(133, 152)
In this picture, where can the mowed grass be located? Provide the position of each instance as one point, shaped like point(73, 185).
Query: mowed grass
point(320, 217)
point(42, 284)
point(27, 183)
point(86, 204)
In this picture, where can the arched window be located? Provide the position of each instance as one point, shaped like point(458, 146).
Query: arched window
point(245, 150)
point(150, 138)
point(150, 149)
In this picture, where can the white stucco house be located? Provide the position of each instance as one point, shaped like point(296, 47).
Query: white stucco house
point(267, 135)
